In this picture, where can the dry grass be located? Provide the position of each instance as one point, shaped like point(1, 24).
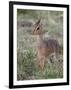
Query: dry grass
point(27, 67)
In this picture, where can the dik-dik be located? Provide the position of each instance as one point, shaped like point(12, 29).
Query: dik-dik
point(44, 47)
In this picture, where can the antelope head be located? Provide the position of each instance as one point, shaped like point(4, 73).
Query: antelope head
point(37, 28)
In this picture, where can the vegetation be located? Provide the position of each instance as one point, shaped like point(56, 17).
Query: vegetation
point(27, 67)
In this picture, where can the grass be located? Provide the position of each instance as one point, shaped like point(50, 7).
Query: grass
point(27, 67)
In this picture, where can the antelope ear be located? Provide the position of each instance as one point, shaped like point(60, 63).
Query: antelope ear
point(38, 21)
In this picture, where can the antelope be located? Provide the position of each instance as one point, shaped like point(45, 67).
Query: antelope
point(44, 47)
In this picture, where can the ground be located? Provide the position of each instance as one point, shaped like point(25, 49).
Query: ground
point(27, 67)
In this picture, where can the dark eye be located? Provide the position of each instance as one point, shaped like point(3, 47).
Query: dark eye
point(38, 28)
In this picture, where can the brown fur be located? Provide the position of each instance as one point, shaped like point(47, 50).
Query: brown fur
point(44, 47)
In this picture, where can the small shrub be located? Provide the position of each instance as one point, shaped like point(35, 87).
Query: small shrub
point(26, 64)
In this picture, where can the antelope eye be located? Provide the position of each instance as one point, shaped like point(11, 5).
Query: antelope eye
point(38, 28)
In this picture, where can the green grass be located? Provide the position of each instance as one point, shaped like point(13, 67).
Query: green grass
point(27, 66)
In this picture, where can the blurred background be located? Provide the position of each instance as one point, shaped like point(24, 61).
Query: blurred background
point(52, 21)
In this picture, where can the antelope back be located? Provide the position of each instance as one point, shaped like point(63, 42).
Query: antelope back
point(48, 47)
